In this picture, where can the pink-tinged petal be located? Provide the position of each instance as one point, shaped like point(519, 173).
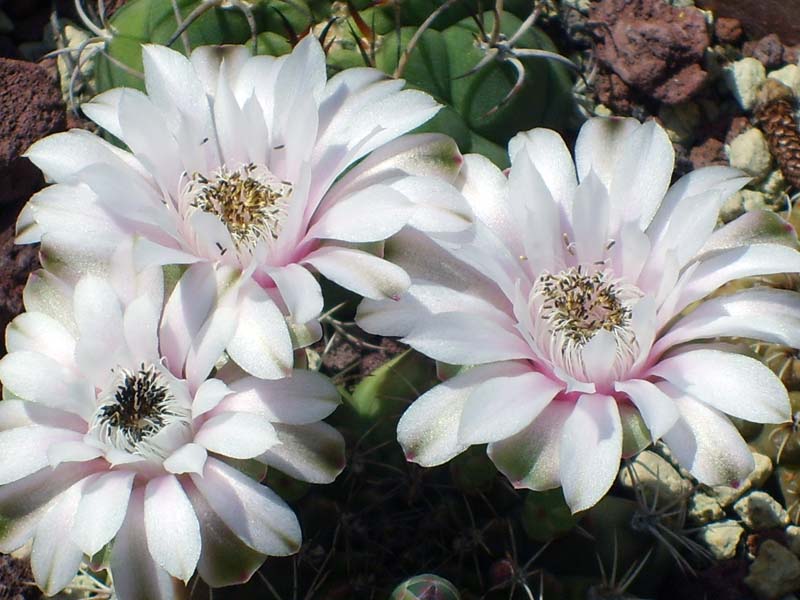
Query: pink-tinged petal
point(101, 510)
point(300, 291)
point(71, 451)
point(224, 558)
point(149, 254)
point(26, 230)
point(598, 356)
point(209, 344)
point(360, 272)
point(753, 227)
point(261, 344)
point(590, 451)
point(38, 332)
point(55, 558)
point(737, 385)
point(549, 154)
point(140, 324)
point(185, 312)
point(600, 144)
point(530, 458)
point(760, 313)
point(62, 155)
point(536, 214)
point(173, 533)
point(136, 575)
point(253, 512)
point(98, 314)
point(714, 180)
point(304, 397)
point(657, 409)
point(736, 263)
point(368, 215)
point(28, 446)
point(630, 251)
point(484, 187)
point(238, 435)
point(503, 406)
point(207, 60)
point(22, 374)
point(46, 293)
point(208, 396)
point(706, 443)
point(312, 453)
point(590, 214)
point(19, 413)
point(438, 205)
point(189, 458)
point(428, 430)
point(229, 121)
point(103, 109)
point(641, 175)
point(465, 339)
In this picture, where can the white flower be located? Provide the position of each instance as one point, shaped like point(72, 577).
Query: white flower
point(573, 297)
point(242, 162)
point(100, 440)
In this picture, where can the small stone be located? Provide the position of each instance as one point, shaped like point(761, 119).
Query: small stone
point(793, 538)
point(704, 509)
point(681, 121)
point(655, 476)
point(774, 573)
point(744, 78)
point(727, 495)
point(788, 76)
point(582, 6)
point(728, 30)
point(601, 110)
point(750, 153)
point(768, 50)
point(722, 538)
point(710, 152)
point(759, 510)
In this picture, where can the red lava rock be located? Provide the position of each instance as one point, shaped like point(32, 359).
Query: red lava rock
point(31, 107)
point(768, 50)
point(760, 18)
point(737, 127)
point(728, 30)
point(709, 152)
point(612, 91)
point(651, 46)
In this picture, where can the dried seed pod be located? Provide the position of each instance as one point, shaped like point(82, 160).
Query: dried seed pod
point(775, 115)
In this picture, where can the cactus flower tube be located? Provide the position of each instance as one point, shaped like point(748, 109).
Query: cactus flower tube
point(103, 444)
point(580, 299)
point(238, 162)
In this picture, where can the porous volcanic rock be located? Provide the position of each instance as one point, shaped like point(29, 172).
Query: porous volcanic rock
point(652, 46)
point(31, 107)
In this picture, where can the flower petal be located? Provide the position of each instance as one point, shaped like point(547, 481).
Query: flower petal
point(360, 272)
point(173, 533)
point(300, 291)
point(101, 510)
point(735, 384)
point(590, 451)
point(657, 409)
point(238, 435)
point(29, 448)
point(313, 452)
point(189, 458)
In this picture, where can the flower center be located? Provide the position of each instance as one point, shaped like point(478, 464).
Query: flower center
point(140, 406)
point(571, 306)
point(250, 201)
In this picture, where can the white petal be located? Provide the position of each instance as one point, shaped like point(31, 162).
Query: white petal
point(103, 109)
point(253, 512)
point(735, 384)
point(428, 430)
point(549, 154)
point(189, 458)
point(238, 435)
point(25, 449)
point(136, 575)
point(101, 510)
point(503, 406)
point(599, 146)
point(590, 214)
point(360, 272)
point(71, 451)
point(464, 339)
point(438, 206)
point(209, 344)
point(140, 323)
point(38, 332)
point(208, 396)
point(313, 453)
point(530, 459)
point(55, 559)
point(300, 291)
point(304, 397)
point(657, 409)
point(706, 443)
point(598, 356)
point(261, 344)
point(590, 451)
point(173, 533)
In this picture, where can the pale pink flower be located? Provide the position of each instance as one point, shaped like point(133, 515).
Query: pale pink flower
point(101, 441)
point(575, 299)
point(248, 163)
